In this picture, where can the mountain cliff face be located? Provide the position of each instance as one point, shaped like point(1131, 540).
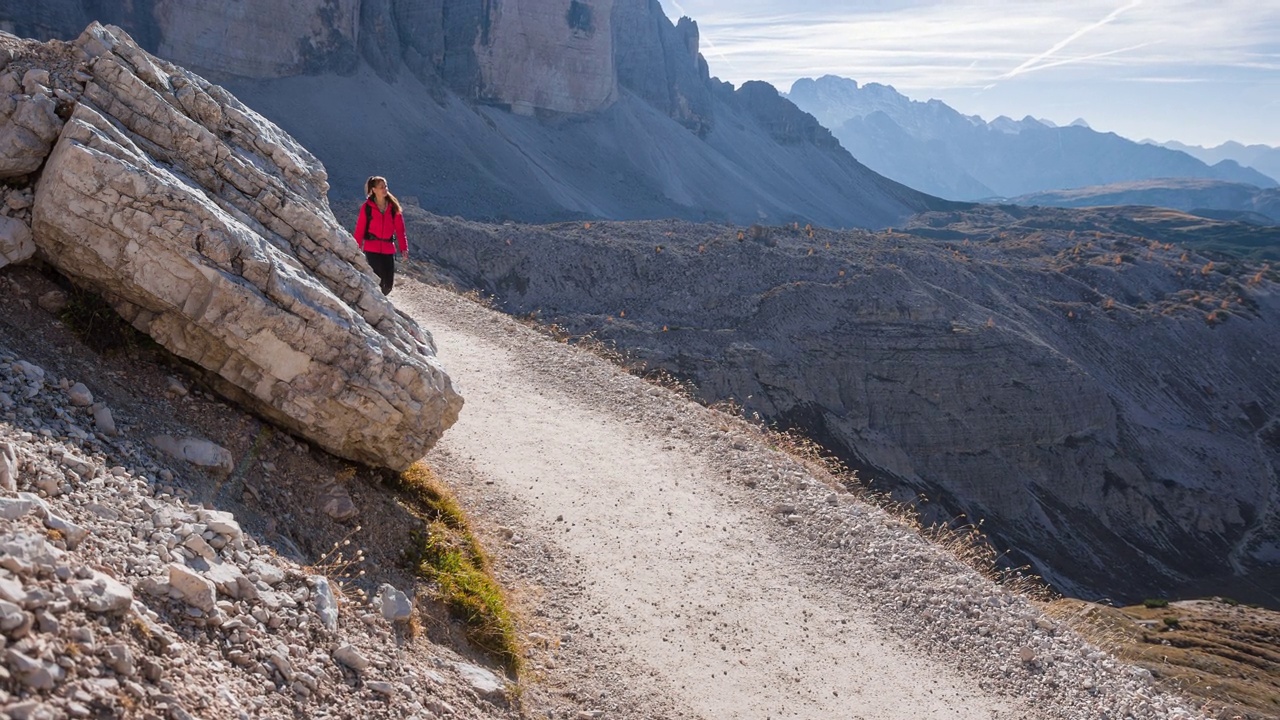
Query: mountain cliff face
point(931, 147)
point(539, 56)
point(511, 110)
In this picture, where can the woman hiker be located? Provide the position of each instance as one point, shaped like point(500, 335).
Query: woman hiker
point(380, 230)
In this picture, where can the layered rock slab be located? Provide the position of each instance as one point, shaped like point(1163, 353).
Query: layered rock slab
point(207, 228)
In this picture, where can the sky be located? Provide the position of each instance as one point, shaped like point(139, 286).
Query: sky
point(1197, 71)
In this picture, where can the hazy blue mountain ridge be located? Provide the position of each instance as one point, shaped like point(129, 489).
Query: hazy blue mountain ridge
point(932, 147)
point(1263, 158)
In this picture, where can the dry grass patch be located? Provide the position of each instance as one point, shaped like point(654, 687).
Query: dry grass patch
point(1223, 653)
point(447, 553)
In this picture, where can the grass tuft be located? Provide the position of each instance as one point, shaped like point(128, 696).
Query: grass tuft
point(447, 553)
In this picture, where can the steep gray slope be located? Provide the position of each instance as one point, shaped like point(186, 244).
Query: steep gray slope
point(628, 161)
point(930, 146)
point(520, 109)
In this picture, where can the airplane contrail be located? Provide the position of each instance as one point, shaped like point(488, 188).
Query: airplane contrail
point(1095, 56)
point(1030, 64)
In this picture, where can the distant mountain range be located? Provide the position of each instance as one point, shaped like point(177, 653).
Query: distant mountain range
point(1263, 158)
point(932, 147)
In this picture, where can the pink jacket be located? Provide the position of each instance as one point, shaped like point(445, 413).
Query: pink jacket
point(383, 226)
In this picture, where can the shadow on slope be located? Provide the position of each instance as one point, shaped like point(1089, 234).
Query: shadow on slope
point(628, 162)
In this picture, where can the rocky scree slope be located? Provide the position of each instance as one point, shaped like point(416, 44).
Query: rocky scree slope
point(208, 228)
point(527, 110)
point(137, 583)
point(1104, 404)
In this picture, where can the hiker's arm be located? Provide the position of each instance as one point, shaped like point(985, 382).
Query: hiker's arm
point(402, 241)
point(360, 228)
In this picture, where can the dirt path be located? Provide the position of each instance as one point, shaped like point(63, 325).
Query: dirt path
point(678, 563)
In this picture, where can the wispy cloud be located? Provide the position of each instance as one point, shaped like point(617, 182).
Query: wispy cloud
point(977, 42)
point(1251, 65)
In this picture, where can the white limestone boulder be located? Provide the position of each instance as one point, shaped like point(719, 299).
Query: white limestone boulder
point(208, 228)
point(199, 452)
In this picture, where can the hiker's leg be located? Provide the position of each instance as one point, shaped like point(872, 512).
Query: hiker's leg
point(383, 266)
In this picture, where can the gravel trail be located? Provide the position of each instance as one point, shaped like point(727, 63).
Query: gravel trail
point(712, 577)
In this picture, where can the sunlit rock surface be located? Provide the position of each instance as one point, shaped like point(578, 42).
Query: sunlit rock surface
point(208, 228)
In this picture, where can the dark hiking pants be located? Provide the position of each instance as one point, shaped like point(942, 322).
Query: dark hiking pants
point(384, 266)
